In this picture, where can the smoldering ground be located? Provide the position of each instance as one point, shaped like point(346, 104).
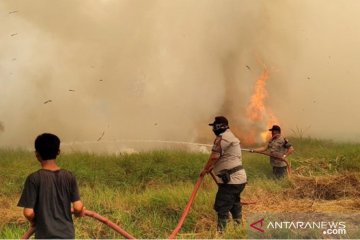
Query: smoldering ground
point(164, 69)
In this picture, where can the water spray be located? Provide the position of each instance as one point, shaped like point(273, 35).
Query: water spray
point(139, 141)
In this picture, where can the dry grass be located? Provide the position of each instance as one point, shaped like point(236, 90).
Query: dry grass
point(9, 212)
point(271, 203)
point(332, 187)
point(335, 193)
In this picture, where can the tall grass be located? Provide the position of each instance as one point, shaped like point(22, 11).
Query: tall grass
point(145, 193)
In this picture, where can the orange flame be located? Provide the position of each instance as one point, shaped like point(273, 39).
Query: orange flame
point(259, 116)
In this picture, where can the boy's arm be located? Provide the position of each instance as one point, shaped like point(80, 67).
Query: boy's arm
point(28, 199)
point(29, 215)
point(78, 208)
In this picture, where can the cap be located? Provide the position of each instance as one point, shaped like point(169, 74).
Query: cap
point(219, 120)
point(275, 128)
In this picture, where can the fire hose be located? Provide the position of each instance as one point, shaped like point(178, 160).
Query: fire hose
point(98, 217)
point(187, 208)
point(115, 227)
point(191, 199)
point(288, 166)
point(182, 218)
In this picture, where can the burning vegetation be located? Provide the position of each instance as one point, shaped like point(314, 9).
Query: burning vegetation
point(258, 114)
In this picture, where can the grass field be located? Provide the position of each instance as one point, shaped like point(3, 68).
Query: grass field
point(145, 193)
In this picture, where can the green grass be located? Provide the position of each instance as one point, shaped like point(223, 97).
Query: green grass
point(337, 156)
point(145, 193)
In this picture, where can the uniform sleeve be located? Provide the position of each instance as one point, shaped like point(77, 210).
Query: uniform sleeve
point(269, 143)
point(225, 144)
point(74, 195)
point(217, 145)
point(29, 194)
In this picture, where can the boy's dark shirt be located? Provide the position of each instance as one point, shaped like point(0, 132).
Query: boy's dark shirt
point(50, 194)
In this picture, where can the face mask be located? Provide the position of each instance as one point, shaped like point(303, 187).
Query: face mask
point(274, 133)
point(219, 128)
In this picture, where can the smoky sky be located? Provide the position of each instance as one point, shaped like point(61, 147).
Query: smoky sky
point(164, 69)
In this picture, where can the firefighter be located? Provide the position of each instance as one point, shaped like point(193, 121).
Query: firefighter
point(279, 147)
point(226, 165)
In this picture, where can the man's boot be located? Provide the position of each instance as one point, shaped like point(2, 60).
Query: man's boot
point(237, 222)
point(221, 226)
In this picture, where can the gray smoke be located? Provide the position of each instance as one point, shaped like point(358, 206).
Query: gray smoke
point(163, 69)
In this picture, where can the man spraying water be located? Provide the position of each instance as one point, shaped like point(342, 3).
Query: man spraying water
point(278, 148)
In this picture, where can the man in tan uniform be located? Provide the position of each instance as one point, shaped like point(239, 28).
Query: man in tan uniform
point(279, 147)
point(226, 164)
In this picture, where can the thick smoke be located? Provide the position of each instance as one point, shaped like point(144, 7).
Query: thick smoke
point(163, 69)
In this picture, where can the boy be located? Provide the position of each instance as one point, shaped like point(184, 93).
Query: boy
point(49, 192)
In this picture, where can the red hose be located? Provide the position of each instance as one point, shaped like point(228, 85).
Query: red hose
point(188, 205)
point(127, 235)
point(279, 158)
point(28, 234)
point(187, 208)
point(98, 217)
point(109, 223)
